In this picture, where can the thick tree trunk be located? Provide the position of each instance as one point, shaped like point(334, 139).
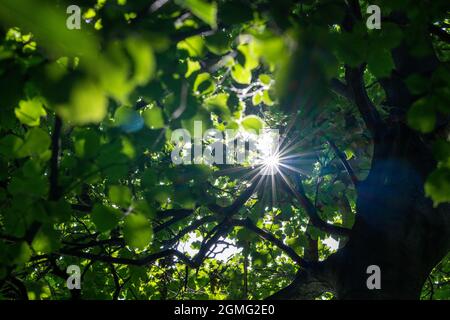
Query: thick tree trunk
point(396, 226)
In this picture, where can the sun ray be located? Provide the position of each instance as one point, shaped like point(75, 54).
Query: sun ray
point(273, 158)
point(298, 170)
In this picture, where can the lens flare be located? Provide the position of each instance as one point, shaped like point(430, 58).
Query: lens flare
point(270, 164)
point(272, 161)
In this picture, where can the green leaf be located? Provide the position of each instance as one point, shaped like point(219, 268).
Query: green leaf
point(245, 235)
point(153, 117)
point(46, 240)
point(88, 104)
point(260, 259)
point(60, 211)
point(218, 43)
point(87, 143)
point(144, 61)
point(380, 63)
point(30, 112)
point(120, 195)
point(21, 253)
point(437, 186)
point(240, 74)
point(349, 154)
point(271, 49)
point(257, 98)
point(128, 119)
point(218, 105)
point(142, 206)
point(195, 46)
point(149, 178)
point(266, 98)
point(124, 115)
point(441, 99)
point(315, 233)
point(192, 66)
point(36, 186)
point(105, 218)
point(10, 146)
point(390, 35)
point(31, 168)
point(36, 142)
point(352, 48)
point(265, 79)
point(441, 150)
point(127, 148)
point(252, 122)
point(162, 194)
point(250, 53)
point(417, 84)
point(137, 231)
point(203, 84)
point(421, 116)
point(184, 197)
point(201, 9)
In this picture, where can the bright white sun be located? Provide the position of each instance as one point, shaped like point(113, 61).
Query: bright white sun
point(270, 164)
point(272, 161)
point(268, 157)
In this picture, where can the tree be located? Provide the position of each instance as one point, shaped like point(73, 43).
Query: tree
point(87, 177)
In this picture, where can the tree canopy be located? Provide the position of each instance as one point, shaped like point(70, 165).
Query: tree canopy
point(361, 176)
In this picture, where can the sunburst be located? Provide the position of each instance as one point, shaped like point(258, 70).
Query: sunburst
point(275, 163)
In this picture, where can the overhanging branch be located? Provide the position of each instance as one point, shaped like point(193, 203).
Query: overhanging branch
point(307, 285)
point(440, 33)
point(220, 230)
point(341, 89)
point(370, 115)
point(311, 211)
point(344, 162)
point(248, 224)
point(54, 192)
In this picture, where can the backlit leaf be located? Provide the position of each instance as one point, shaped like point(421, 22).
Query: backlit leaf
point(105, 218)
point(137, 231)
point(30, 112)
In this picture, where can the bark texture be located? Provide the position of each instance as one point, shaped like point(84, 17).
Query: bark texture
point(396, 226)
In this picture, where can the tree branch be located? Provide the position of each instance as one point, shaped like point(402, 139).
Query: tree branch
point(55, 191)
point(144, 261)
point(247, 223)
point(196, 262)
point(307, 285)
point(440, 33)
point(311, 211)
point(193, 226)
point(214, 235)
point(354, 76)
point(344, 162)
point(370, 115)
point(341, 89)
point(19, 286)
point(182, 214)
point(241, 200)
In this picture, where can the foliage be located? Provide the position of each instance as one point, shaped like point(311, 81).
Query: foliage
point(86, 174)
